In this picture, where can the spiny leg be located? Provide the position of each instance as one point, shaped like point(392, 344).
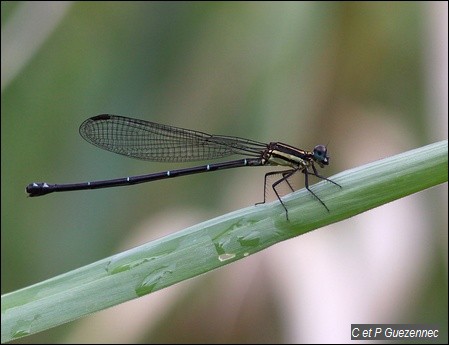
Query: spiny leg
point(315, 173)
point(286, 174)
point(306, 178)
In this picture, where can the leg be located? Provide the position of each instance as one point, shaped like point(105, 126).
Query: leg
point(306, 178)
point(315, 172)
point(284, 173)
point(285, 176)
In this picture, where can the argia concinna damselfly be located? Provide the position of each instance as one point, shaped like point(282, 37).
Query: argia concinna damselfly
point(161, 143)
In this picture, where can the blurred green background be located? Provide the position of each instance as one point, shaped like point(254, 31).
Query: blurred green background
point(370, 79)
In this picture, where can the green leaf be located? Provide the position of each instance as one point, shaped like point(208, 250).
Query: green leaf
point(217, 242)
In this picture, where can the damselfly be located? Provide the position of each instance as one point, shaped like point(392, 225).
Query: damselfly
point(155, 142)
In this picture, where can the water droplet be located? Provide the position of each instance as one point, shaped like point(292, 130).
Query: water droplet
point(114, 267)
point(156, 280)
point(130, 259)
point(250, 240)
point(226, 257)
point(23, 327)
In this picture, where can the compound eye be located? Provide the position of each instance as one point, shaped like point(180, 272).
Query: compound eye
point(320, 150)
point(320, 154)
